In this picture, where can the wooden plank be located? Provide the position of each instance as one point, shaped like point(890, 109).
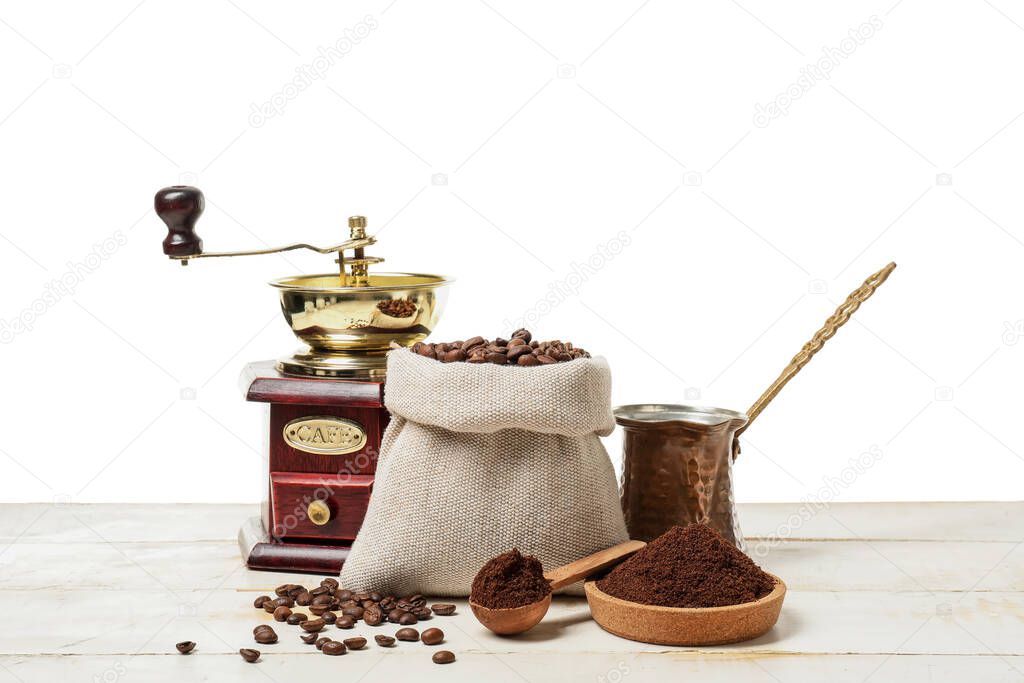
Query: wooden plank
point(48, 523)
point(805, 566)
point(989, 521)
point(150, 622)
point(414, 665)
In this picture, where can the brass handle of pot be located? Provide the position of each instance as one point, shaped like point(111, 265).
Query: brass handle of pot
point(318, 512)
point(835, 321)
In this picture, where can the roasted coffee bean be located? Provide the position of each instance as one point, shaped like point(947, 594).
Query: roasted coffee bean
point(258, 602)
point(384, 641)
point(319, 610)
point(416, 600)
point(454, 356)
point(304, 598)
point(423, 613)
point(477, 358)
point(544, 359)
point(408, 619)
point(329, 617)
point(410, 634)
point(527, 360)
point(427, 350)
point(395, 614)
point(267, 637)
point(359, 597)
point(443, 657)
point(322, 599)
point(282, 613)
point(354, 612)
point(312, 625)
point(284, 588)
point(262, 627)
point(373, 615)
point(355, 643)
point(269, 606)
point(249, 655)
point(321, 641)
point(443, 609)
point(517, 341)
point(320, 590)
point(522, 333)
point(296, 618)
point(185, 647)
point(515, 352)
point(432, 636)
point(348, 603)
point(497, 358)
point(387, 603)
point(330, 584)
point(296, 591)
point(376, 597)
point(471, 342)
point(309, 638)
point(333, 648)
point(345, 622)
point(284, 602)
point(342, 594)
point(366, 604)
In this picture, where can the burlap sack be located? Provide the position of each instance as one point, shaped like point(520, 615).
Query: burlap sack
point(479, 459)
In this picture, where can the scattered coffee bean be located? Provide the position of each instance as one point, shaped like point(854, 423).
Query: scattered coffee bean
point(423, 613)
point(333, 648)
point(384, 641)
point(320, 590)
point(185, 647)
point(321, 641)
point(355, 643)
point(354, 612)
point(329, 583)
point(309, 638)
point(395, 614)
point(409, 634)
point(266, 637)
point(408, 619)
point(284, 602)
point(443, 609)
point(345, 622)
point(284, 588)
point(295, 618)
point(262, 627)
point(443, 657)
point(269, 606)
point(249, 654)
point(342, 594)
point(304, 599)
point(329, 617)
point(258, 602)
point(373, 615)
point(282, 613)
point(432, 636)
point(312, 625)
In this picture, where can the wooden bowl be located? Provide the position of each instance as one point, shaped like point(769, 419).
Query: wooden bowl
point(684, 625)
point(514, 620)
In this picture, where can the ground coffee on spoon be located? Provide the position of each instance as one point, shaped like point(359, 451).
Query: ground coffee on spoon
point(510, 580)
point(690, 566)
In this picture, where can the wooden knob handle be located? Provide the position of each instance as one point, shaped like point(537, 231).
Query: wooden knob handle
point(179, 207)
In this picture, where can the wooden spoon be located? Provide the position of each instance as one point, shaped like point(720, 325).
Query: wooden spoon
point(507, 622)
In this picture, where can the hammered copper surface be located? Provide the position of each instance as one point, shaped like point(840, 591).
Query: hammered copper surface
point(678, 472)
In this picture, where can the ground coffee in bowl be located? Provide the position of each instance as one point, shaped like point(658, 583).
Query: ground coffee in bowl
point(692, 566)
point(510, 580)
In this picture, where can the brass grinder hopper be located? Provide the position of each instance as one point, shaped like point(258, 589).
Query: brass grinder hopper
point(349, 318)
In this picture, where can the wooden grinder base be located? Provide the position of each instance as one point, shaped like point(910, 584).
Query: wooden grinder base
point(284, 537)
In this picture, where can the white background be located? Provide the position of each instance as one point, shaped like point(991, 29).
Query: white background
point(559, 130)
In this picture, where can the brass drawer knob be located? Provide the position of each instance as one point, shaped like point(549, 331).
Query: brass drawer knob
point(318, 512)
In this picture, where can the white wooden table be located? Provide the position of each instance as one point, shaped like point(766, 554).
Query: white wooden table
point(876, 592)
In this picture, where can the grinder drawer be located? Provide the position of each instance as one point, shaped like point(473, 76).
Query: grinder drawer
point(320, 506)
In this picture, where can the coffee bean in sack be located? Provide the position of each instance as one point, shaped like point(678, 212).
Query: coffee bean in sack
point(520, 350)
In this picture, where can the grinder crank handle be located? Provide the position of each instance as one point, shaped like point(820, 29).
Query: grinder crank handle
point(179, 207)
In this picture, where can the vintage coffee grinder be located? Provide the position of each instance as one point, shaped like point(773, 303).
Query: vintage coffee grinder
point(325, 404)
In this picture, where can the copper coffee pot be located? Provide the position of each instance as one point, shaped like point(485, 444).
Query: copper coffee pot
point(677, 459)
